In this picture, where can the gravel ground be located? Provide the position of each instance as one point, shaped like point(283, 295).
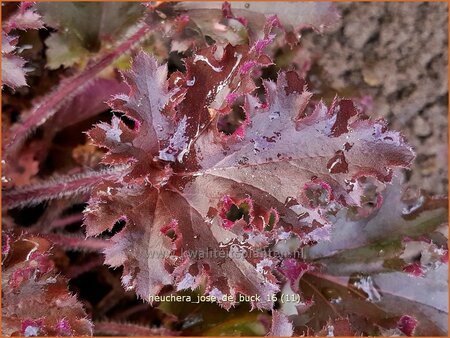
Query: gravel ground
point(397, 53)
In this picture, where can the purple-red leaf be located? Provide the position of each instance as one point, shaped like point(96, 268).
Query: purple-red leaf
point(204, 208)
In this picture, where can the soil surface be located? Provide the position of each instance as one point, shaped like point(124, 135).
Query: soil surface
point(397, 54)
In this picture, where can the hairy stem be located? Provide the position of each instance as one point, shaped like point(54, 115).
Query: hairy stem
point(78, 243)
point(66, 220)
point(56, 187)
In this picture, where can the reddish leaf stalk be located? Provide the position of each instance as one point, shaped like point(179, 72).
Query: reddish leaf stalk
point(59, 187)
point(78, 243)
point(66, 220)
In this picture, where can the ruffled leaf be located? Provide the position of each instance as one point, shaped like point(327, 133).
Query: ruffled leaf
point(13, 72)
point(203, 208)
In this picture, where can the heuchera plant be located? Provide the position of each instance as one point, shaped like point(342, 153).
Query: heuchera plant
point(217, 180)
